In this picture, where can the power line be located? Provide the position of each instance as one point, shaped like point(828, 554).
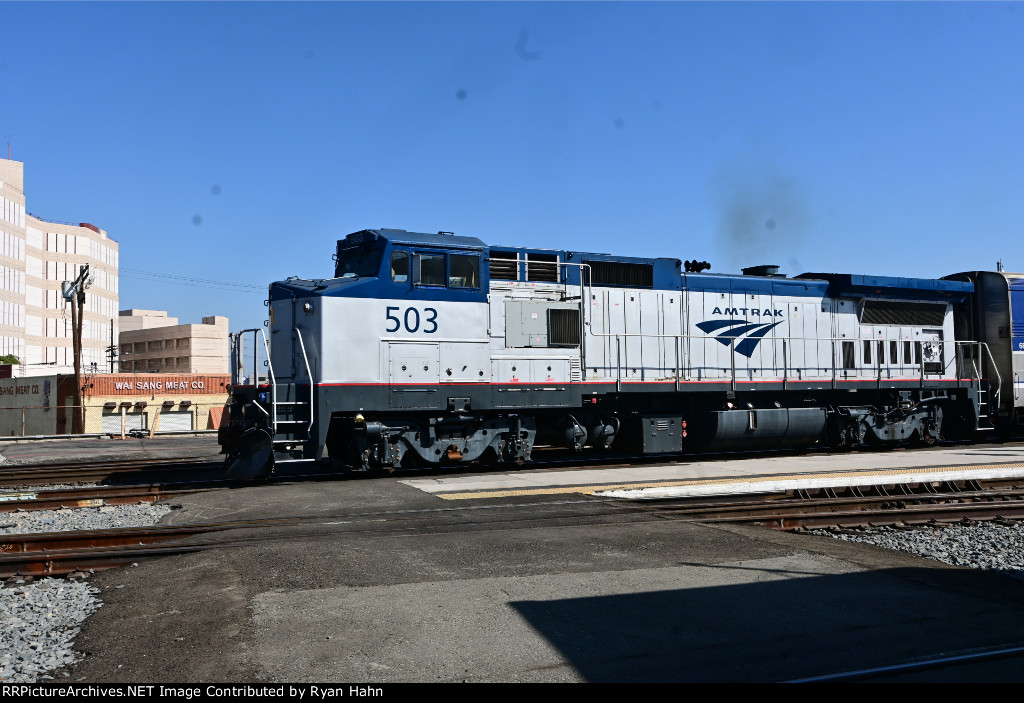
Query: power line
point(190, 281)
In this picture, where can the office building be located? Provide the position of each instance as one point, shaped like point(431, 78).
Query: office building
point(36, 256)
point(151, 342)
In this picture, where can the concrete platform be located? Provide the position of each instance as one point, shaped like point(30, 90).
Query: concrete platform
point(733, 475)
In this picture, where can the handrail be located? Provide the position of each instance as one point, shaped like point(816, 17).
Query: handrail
point(273, 380)
point(309, 375)
point(682, 369)
point(256, 369)
point(999, 377)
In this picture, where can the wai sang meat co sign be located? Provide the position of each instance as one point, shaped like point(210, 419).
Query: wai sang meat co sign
point(159, 385)
point(137, 384)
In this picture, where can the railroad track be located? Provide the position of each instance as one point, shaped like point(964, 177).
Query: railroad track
point(63, 553)
point(864, 506)
point(93, 472)
point(97, 496)
point(146, 470)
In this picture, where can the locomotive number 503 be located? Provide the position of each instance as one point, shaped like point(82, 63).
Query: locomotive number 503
point(411, 319)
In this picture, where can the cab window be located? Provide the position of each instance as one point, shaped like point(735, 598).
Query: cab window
point(362, 262)
point(463, 271)
point(399, 266)
point(432, 269)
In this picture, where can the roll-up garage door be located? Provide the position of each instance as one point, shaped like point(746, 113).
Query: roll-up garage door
point(132, 421)
point(175, 421)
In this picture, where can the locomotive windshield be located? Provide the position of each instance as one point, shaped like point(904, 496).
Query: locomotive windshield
point(363, 262)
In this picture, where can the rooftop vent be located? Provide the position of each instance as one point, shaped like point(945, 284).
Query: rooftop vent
point(771, 270)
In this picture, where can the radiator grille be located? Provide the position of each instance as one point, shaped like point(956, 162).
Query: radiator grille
point(615, 273)
point(891, 312)
point(563, 328)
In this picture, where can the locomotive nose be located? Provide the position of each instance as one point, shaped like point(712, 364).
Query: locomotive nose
point(252, 456)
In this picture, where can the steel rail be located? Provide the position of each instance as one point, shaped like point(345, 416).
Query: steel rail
point(798, 514)
point(95, 496)
point(98, 471)
point(784, 503)
point(108, 463)
point(939, 661)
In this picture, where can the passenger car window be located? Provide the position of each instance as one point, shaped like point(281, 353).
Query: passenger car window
point(399, 267)
point(463, 271)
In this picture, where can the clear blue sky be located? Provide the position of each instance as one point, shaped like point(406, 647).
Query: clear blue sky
point(236, 142)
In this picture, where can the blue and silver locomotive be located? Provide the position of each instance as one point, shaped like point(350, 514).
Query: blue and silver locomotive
point(425, 349)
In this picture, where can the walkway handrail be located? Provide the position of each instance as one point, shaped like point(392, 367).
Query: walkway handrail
point(309, 375)
point(256, 369)
point(682, 369)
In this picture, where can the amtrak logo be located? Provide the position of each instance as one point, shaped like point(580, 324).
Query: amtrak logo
point(734, 329)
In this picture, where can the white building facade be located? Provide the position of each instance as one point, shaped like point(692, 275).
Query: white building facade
point(36, 257)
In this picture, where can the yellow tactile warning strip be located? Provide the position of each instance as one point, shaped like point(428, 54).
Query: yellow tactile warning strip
point(846, 477)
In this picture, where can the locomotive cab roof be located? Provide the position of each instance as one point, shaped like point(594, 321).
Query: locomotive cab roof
point(446, 240)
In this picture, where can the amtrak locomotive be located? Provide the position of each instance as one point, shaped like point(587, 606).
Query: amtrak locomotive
point(425, 349)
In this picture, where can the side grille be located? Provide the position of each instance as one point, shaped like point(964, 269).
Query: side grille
point(615, 273)
point(504, 266)
point(891, 312)
point(542, 267)
point(563, 328)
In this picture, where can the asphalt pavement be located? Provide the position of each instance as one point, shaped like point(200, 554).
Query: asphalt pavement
point(373, 580)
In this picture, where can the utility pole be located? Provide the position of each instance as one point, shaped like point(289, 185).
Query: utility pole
point(74, 293)
point(112, 349)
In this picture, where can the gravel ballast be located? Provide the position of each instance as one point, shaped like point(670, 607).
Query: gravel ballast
point(984, 545)
point(69, 519)
point(39, 620)
point(39, 623)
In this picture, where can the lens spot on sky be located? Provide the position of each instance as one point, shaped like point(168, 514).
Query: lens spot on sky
point(521, 50)
point(310, 54)
point(197, 220)
point(215, 189)
point(460, 94)
point(656, 105)
point(619, 123)
point(770, 224)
